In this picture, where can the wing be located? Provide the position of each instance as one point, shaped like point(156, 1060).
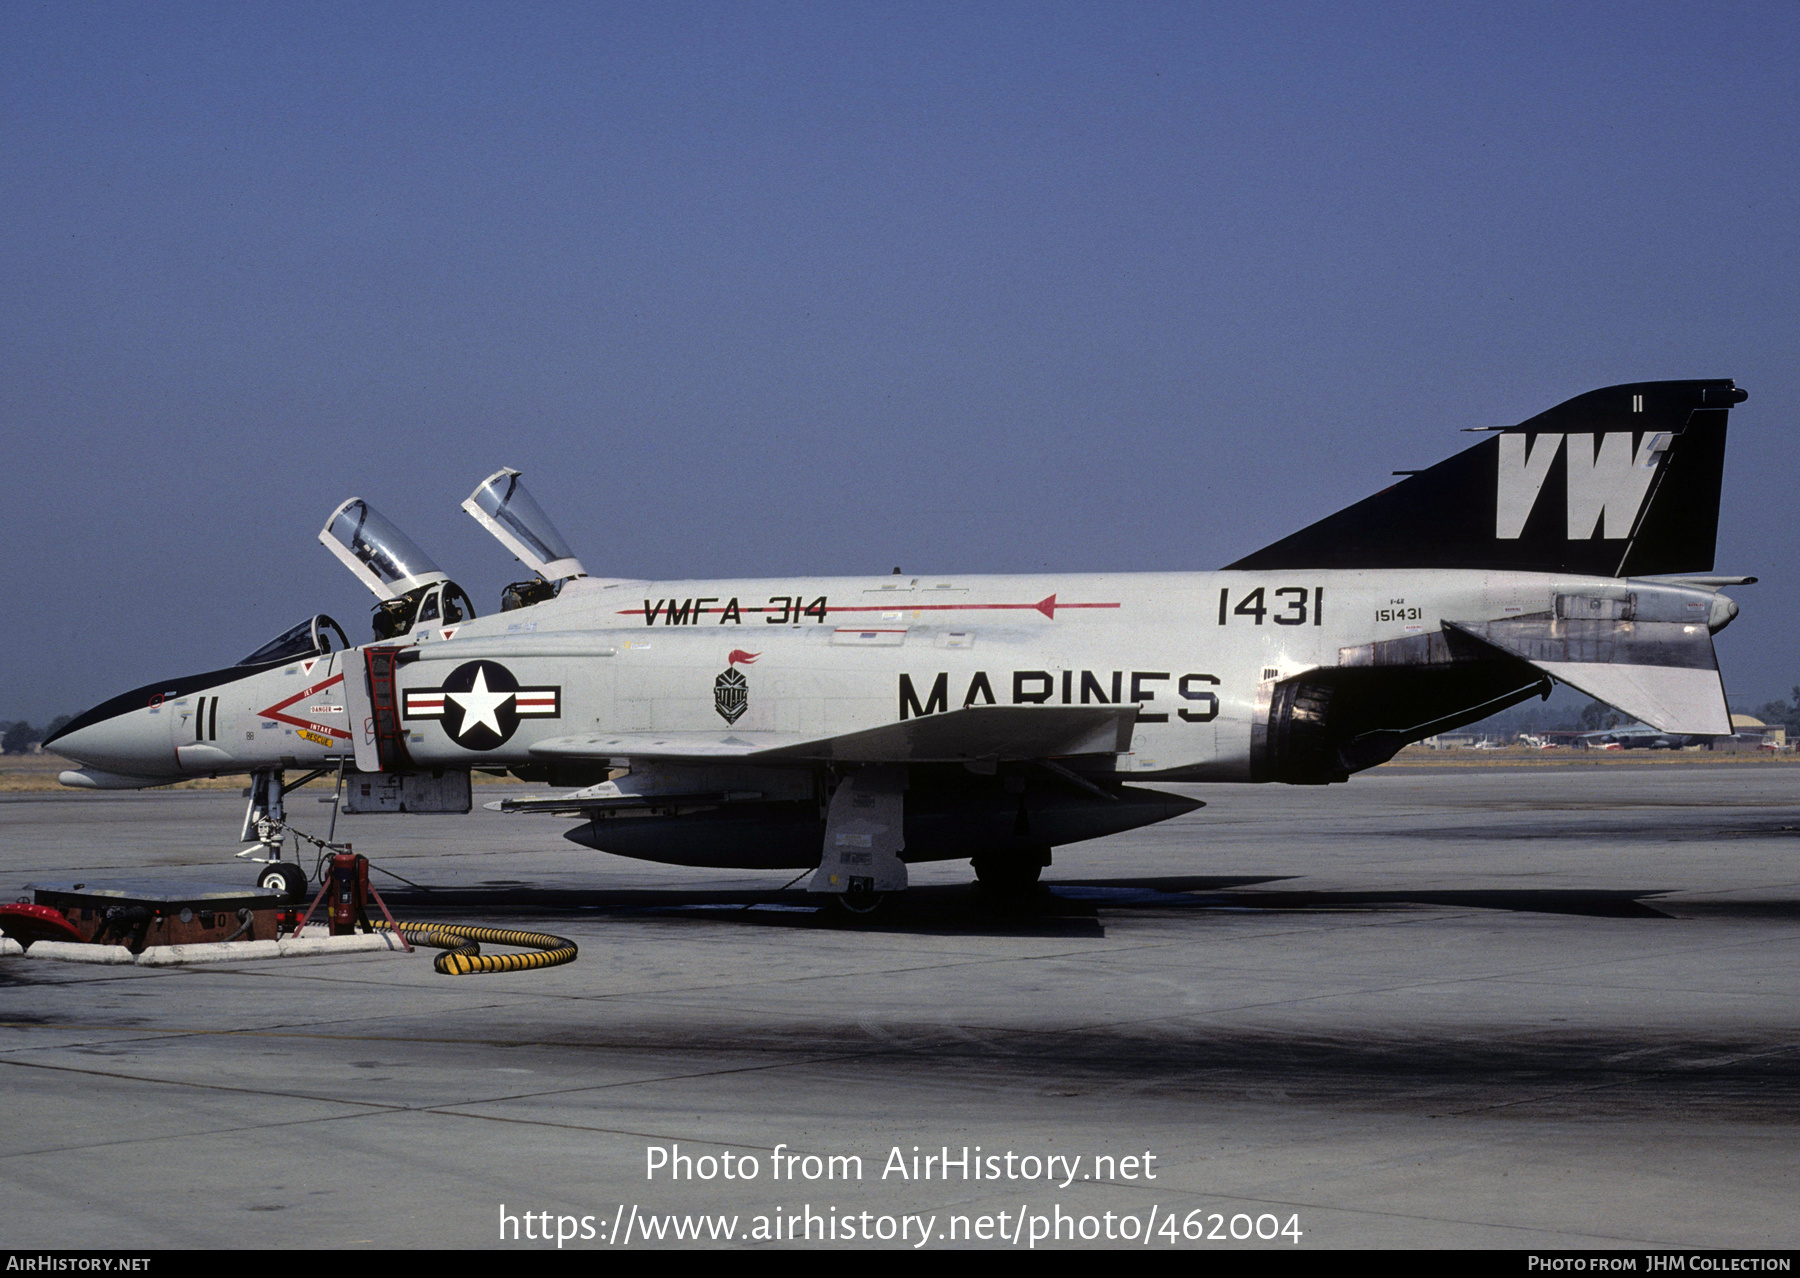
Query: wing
point(986, 734)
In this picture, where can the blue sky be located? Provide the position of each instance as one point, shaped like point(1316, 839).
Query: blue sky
point(769, 288)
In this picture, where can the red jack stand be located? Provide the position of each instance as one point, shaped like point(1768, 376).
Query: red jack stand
point(347, 881)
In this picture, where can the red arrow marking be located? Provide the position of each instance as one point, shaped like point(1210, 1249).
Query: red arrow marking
point(274, 711)
point(1047, 605)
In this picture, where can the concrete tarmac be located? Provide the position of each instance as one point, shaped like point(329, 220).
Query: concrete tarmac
point(1524, 1008)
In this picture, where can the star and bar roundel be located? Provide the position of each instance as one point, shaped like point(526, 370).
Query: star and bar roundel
point(480, 704)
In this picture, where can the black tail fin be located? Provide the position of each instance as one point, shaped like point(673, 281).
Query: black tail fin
point(1617, 482)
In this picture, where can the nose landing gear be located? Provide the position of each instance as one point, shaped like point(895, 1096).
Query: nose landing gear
point(266, 820)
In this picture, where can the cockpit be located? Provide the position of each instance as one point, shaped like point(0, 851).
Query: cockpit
point(409, 588)
point(411, 591)
point(502, 505)
point(444, 605)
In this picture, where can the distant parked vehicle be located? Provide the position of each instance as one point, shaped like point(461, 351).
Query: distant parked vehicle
point(1633, 739)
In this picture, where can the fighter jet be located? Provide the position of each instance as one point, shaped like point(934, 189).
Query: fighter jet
point(854, 726)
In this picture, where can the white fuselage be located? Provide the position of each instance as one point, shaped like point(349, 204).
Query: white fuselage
point(1197, 652)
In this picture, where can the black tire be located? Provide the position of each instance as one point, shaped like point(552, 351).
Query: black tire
point(285, 877)
point(1009, 875)
point(861, 904)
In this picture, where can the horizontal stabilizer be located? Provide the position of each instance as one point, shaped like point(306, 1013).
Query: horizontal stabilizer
point(1664, 673)
point(996, 733)
point(1666, 698)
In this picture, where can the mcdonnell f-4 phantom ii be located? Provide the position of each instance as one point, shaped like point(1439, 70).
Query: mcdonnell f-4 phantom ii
point(851, 726)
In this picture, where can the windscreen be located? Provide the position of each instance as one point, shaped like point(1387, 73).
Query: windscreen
point(311, 638)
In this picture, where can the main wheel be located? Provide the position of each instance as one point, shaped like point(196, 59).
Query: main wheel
point(285, 877)
point(860, 901)
point(1012, 875)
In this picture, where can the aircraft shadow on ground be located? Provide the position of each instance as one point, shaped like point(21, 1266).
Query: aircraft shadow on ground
point(1555, 1068)
point(1066, 907)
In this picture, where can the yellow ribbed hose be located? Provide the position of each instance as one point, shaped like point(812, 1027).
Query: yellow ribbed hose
point(462, 947)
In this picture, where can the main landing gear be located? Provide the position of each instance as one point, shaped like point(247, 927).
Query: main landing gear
point(860, 900)
point(863, 836)
point(1010, 874)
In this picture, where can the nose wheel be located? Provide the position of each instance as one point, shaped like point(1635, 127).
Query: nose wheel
point(285, 877)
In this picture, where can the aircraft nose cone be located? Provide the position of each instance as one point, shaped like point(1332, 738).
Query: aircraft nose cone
point(134, 740)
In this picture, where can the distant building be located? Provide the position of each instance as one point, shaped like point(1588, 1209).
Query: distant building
point(1750, 733)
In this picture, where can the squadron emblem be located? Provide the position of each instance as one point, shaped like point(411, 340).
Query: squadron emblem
point(731, 691)
point(481, 704)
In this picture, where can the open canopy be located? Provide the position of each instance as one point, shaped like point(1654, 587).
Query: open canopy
point(503, 506)
point(383, 558)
